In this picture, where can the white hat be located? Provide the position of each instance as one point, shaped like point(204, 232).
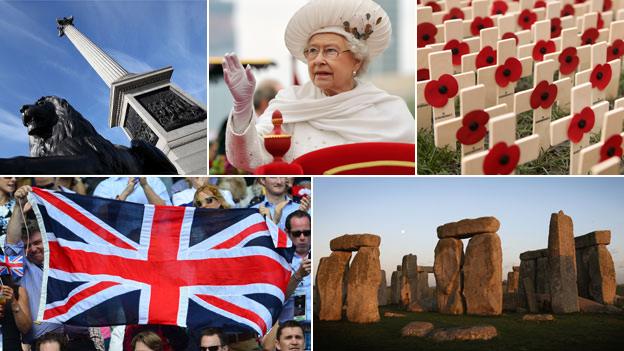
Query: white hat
point(363, 20)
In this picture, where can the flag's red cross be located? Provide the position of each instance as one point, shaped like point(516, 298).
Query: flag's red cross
point(163, 271)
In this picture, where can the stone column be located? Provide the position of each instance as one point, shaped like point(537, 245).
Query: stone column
point(148, 106)
point(409, 283)
point(364, 276)
point(562, 264)
point(483, 268)
point(596, 270)
point(449, 258)
point(330, 279)
point(105, 66)
point(382, 296)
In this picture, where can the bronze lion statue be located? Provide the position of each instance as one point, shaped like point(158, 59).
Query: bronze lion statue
point(64, 142)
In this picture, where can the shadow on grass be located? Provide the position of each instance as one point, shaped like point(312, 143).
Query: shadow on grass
point(568, 332)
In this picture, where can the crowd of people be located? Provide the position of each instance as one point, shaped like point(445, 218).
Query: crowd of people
point(285, 201)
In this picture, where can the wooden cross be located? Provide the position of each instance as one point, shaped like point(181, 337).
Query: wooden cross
point(472, 99)
point(590, 156)
point(439, 64)
point(559, 129)
point(544, 72)
point(616, 32)
point(502, 133)
point(599, 57)
point(423, 109)
point(496, 95)
point(570, 39)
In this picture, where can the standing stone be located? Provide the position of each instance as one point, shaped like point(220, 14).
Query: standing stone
point(512, 281)
point(447, 266)
point(527, 270)
point(409, 280)
point(541, 276)
point(582, 273)
point(364, 277)
point(601, 274)
point(562, 264)
point(483, 268)
point(395, 287)
point(330, 279)
point(529, 290)
point(382, 296)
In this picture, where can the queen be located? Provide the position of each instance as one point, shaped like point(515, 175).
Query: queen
point(337, 40)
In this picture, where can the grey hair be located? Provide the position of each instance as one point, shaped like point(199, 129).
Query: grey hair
point(359, 49)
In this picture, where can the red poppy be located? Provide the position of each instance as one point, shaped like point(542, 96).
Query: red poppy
point(499, 7)
point(510, 35)
point(422, 74)
point(615, 50)
point(555, 27)
point(508, 72)
point(589, 36)
point(600, 21)
point(601, 76)
point(607, 5)
point(435, 7)
point(426, 34)
point(611, 147)
point(501, 159)
point(458, 49)
point(486, 57)
point(473, 127)
point(526, 19)
point(539, 3)
point(568, 60)
point(581, 123)
point(480, 23)
point(438, 92)
point(542, 48)
point(567, 10)
point(454, 13)
point(543, 95)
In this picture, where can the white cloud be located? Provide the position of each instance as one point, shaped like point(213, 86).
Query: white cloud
point(11, 128)
point(14, 22)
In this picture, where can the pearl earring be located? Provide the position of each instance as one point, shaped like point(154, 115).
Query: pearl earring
point(354, 73)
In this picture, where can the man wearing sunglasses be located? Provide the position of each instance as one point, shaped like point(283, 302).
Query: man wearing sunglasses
point(298, 306)
point(213, 339)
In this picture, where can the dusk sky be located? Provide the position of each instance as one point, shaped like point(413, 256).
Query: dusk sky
point(405, 212)
point(140, 35)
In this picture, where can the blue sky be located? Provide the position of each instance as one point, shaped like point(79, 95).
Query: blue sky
point(405, 212)
point(140, 35)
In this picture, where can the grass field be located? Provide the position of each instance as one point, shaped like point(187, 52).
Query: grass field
point(433, 160)
point(620, 290)
point(568, 332)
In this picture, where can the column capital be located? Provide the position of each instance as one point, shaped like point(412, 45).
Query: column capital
point(62, 23)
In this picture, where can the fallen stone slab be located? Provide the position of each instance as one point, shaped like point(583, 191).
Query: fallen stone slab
point(426, 269)
point(394, 314)
point(481, 332)
point(538, 317)
point(419, 329)
point(589, 306)
point(467, 228)
point(598, 237)
point(352, 242)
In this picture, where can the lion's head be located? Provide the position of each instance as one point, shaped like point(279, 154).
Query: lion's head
point(53, 125)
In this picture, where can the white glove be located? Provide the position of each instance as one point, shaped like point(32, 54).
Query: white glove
point(241, 83)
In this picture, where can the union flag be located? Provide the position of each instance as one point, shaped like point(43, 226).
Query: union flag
point(110, 262)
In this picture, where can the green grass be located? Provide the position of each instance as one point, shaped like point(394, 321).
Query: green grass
point(568, 332)
point(556, 160)
point(619, 290)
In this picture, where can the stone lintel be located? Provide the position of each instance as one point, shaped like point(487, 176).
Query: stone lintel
point(533, 255)
point(598, 237)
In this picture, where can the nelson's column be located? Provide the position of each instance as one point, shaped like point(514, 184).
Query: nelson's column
point(148, 106)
